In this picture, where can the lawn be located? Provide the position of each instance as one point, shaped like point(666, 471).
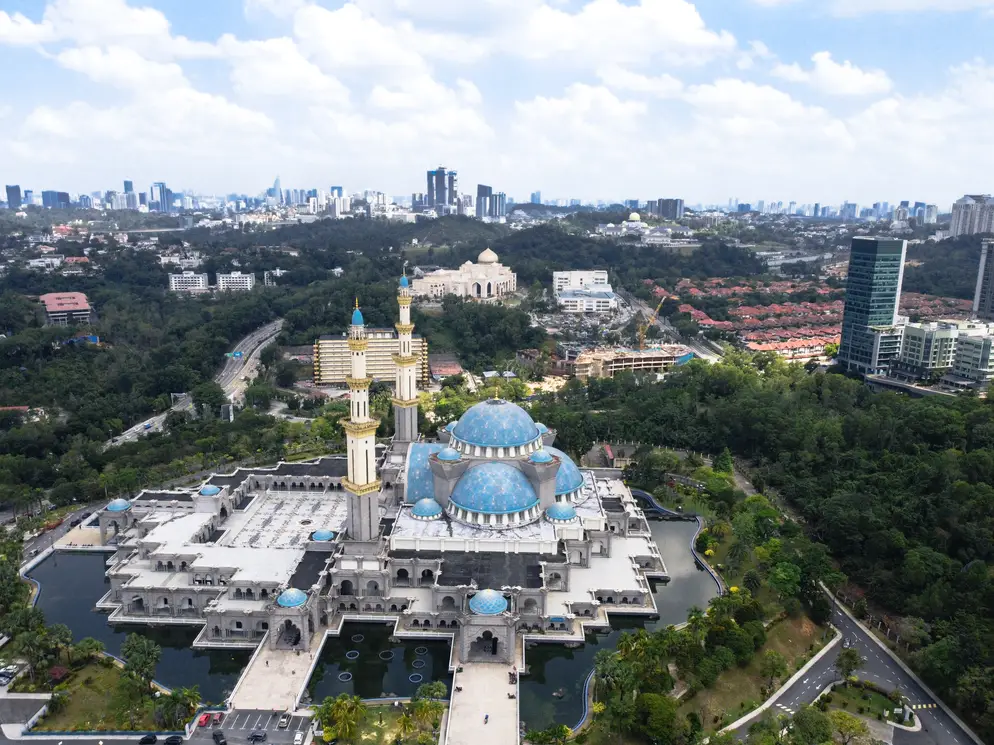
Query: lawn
point(738, 690)
point(90, 705)
point(868, 703)
point(380, 727)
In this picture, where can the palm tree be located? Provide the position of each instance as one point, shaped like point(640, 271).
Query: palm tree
point(697, 623)
point(347, 713)
point(60, 637)
point(427, 710)
point(406, 723)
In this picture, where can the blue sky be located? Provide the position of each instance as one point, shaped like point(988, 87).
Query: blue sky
point(810, 100)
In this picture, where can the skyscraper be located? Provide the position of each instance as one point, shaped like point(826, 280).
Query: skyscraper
point(160, 197)
point(536, 197)
point(983, 296)
point(438, 195)
point(498, 205)
point(129, 187)
point(452, 189)
point(278, 191)
point(816, 212)
point(671, 209)
point(55, 199)
point(483, 196)
point(871, 337)
point(13, 197)
point(973, 214)
point(931, 214)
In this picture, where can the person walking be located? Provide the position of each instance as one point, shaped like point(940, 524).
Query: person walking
point(486, 718)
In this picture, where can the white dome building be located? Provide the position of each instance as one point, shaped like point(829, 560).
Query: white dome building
point(486, 280)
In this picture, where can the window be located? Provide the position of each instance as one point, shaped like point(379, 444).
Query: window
point(238, 624)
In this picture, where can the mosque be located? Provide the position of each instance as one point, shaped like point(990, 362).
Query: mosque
point(483, 536)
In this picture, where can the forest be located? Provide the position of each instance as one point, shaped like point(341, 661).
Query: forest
point(948, 269)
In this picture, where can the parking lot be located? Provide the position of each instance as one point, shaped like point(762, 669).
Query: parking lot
point(238, 724)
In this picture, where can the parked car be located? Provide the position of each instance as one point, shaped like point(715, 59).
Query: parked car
point(219, 738)
point(10, 670)
point(284, 721)
point(298, 739)
point(148, 740)
point(218, 717)
point(204, 720)
point(257, 735)
point(174, 740)
point(6, 680)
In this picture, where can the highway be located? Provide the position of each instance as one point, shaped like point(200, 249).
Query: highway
point(229, 378)
point(937, 727)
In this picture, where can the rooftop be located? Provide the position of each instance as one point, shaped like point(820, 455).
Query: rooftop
point(60, 302)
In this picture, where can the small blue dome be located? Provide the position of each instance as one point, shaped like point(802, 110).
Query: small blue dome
point(561, 511)
point(357, 318)
point(119, 505)
point(291, 598)
point(210, 490)
point(540, 456)
point(449, 454)
point(427, 507)
point(488, 603)
point(494, 488)
point(541, 427)
point(403, 281)
point(323, 535)
point(496, 423)
point(568, 477)
point(450, 426)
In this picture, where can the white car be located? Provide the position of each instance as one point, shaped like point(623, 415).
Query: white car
point(298, 738)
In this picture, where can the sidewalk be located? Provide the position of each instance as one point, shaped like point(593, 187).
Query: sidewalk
point(275, 677)
point(484, 691)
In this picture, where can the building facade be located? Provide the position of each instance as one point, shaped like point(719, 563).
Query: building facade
point(927, 350)
point(587, 301)
point(594, 279)
point(235, 282)
point(487, 279)
point(605, 363)
point(66, 308)
point(871, 335)
point(332, 359)
point(188, 281)
point(983, 296)
point(972, 214)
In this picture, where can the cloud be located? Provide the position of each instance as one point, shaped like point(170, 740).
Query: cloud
point(834, 78)
point(618, 78)
point(863, 7)
point(123, 68)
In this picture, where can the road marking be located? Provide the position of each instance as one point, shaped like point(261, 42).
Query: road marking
point(256, 725)
point(923, 706)
point(805, 680)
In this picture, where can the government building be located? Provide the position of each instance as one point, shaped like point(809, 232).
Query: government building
point(485, 280)
point(480, 537)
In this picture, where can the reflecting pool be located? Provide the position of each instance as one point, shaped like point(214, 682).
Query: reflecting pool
point(72, 583)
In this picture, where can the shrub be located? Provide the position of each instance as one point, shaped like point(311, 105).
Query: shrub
point(862, 710)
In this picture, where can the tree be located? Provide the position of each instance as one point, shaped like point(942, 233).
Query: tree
point(848, 728)
point(36, 648)
point(436, 690)
point(752, 581)
point(209, 397)
point(87, 648)
point(427, 710)
point(659, 720)
point(60, 637)
point(772, 666)
point(848, 661)
point(723, 463)
point(785, 579)
point(406, 723)
point(141, 656)
point(344, 715)
point(810, 726)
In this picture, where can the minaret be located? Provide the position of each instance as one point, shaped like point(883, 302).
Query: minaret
point(405, 399)
point(362, 483)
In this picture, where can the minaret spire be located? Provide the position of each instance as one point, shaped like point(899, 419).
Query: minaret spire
point(362, 482)
point(405, 399)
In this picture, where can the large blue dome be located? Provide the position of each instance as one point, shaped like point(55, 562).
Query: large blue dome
point(488, 603)
point(357, 318)
point(561, 511)
point(119, 505)
point(568, 477)
point(426, 508)
point(494, 489)
point(496, 423)
point(291, 598)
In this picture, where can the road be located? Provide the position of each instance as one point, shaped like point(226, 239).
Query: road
point(41, 542)
point(238, 724)
point(229, 378)
point(669, 332)
point(938, 728)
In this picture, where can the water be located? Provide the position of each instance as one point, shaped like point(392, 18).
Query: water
point(554, 668)
point(72, 583)
point(368, 674)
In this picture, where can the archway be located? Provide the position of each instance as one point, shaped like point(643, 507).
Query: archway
point(485, 646)
point(490, 289)
point(346, 588)
point(477, 290)
point(530, 605)
point(448, 603)
point(290, 634)
point(224, 512)
point(372, 587)
point(427, 576)
point(137, 604)
point(216, 631)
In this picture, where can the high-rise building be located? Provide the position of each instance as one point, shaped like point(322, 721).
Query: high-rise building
point(13, 197)
point(452, 189)
point(498, 205)
point(55, 199)
point(483, 196)
point(849, 211)
point(337, 191)
point(536, 197)
point(129, 187)
point(438, 195)
point(816, 212)
point(672, 209)
point(161, 197)
point(983, 296)
point(973, 214)
point(278, 190)
point(143, 199)
point(931, 214)
point(871, 333)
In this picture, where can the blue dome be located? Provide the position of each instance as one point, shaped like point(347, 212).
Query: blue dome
point(449, 454)
point(119, 505)
point(541, 427)
point(568, 477)
point(496, 423)
point(323, 535)
point(291, 598)
point(357, 318)
point(403, 281)
point(450, 426)
point(210, 490)
point(540, 456)
point(427, 508)
point(494, 489)
point(561, 511)
point(488, 603)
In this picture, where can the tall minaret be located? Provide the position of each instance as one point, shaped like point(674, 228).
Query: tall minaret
point(405, 399)
point(360, 429)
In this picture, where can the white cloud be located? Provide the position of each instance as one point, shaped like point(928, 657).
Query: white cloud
point(862, 7)
point(618, 78)
point(834, 78)
point(123, 68)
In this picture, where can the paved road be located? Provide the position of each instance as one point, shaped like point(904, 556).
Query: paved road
point(881, 669)
point(229, 378)
point(43, 541)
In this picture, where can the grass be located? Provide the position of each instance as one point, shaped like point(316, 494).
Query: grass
point(852, 699)
point(90, 706)
point(371, 732)
point(739, 689)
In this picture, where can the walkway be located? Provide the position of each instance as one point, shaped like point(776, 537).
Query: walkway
point(484, 691)
point(275, 677)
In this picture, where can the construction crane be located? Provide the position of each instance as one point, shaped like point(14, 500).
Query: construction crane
point(644, 328)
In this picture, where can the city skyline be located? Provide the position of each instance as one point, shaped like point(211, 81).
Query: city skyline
point(576, 98)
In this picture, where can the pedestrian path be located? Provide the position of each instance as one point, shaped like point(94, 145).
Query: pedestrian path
point(485, 688)
point(275, 677)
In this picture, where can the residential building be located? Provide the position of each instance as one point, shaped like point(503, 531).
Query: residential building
point(46, 263)
point(332, 358)
point(927, 350)
point(973, 214)
point(188, 281)
point(13, 197)
point(269, 277)
point(670, 209)
point(870, 325)
point(235, 282)
point(983, 296)
point(604, 363)
point(580, 280)
point(587, 301)
point(487, 279)
point(65, 308)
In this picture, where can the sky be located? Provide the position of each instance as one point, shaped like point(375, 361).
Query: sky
point(706, 100)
